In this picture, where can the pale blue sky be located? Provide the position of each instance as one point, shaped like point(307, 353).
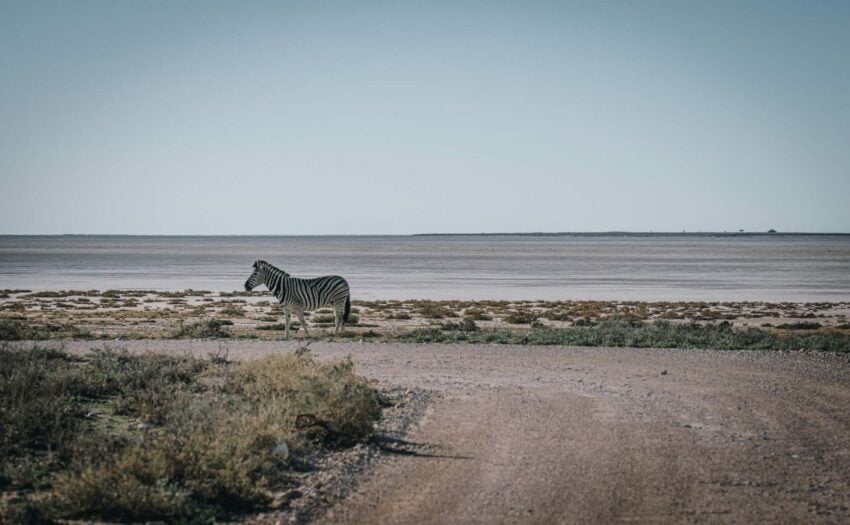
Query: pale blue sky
point(404, 117)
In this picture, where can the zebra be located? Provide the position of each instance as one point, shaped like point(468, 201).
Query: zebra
point(300, 295)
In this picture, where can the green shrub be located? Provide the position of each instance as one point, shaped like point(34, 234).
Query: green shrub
point(225, 439)
point(466, 325)
point(660, 334)
point(520, 317)
point(19, 330)
point(38, 387)
point(805, 325)
point(12, 330)
point(211, 328)
point(341, 404)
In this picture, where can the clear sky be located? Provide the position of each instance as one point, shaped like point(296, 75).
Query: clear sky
point(178, 117)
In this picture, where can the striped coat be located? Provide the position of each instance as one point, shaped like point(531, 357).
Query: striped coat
point(300, 295)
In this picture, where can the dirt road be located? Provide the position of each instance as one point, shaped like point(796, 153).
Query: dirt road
point(594, 435)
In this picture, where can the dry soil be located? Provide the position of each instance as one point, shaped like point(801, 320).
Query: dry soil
point(595, 435)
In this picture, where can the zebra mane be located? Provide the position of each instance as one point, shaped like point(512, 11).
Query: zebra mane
point(270, 267)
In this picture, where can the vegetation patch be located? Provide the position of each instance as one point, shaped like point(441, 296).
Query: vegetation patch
point(120, 437)
point(432, 310)
point(660, 334)
point(477, 314)
point(520, 317)
point(804, 325)
point(466, 325)
point(19, 330)
point(293, 326)
point(212, 328)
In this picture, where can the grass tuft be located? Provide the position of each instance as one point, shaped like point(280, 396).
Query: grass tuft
point(212, 328)
point(121, 437)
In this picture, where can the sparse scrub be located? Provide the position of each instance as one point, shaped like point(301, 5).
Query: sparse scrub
point(211, 328)
point(804, 325)
point(294, 325)
point(477, 314)
point(19, 330)
point(583, 322)
point(466, 325)
point(325, 400)
point(660, 334)
point(220, 446)
point(233, 311)
point(430, 310)
point(15, 307)
point(520, 317)
point(556, 315)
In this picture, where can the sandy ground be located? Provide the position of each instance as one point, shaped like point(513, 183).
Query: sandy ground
point(146, 314)
point(595, 435)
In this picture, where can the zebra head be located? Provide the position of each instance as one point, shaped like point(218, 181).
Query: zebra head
point(258, 276)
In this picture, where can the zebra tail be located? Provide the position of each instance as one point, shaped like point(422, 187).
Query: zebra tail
point(347, 308)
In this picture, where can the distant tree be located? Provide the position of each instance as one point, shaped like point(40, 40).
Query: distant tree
point(771, 231)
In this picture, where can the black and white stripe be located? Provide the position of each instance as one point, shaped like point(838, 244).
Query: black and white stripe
point(300, 295)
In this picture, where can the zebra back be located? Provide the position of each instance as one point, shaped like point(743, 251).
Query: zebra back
point(309, 294)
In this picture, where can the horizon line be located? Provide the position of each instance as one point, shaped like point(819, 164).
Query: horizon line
point(444, 234)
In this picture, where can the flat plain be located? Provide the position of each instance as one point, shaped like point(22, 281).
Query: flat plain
point(530, 433)
point(521, 434)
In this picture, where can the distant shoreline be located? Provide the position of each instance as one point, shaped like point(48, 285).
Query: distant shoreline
point(479, 234)
point(637, 234)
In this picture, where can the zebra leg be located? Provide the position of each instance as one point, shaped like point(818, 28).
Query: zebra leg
point(300, 313)
point(286, 317)
point(338, 316)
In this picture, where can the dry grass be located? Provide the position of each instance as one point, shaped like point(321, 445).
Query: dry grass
point(119, 437)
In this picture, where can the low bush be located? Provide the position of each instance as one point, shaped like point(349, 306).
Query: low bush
point(477, 314)
point(520, 317)
point(430, 310)
point(805, 325)
point(20, 330)
point(466, 325)
point(211, 328)
point(660, 334)
point(222, 437)
point(233, 311)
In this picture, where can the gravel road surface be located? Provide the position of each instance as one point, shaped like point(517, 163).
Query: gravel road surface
point(597, 435)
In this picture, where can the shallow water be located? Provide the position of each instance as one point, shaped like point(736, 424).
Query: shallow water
point(763, 268)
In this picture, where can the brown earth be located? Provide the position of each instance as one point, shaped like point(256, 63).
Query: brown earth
point(567, 435)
